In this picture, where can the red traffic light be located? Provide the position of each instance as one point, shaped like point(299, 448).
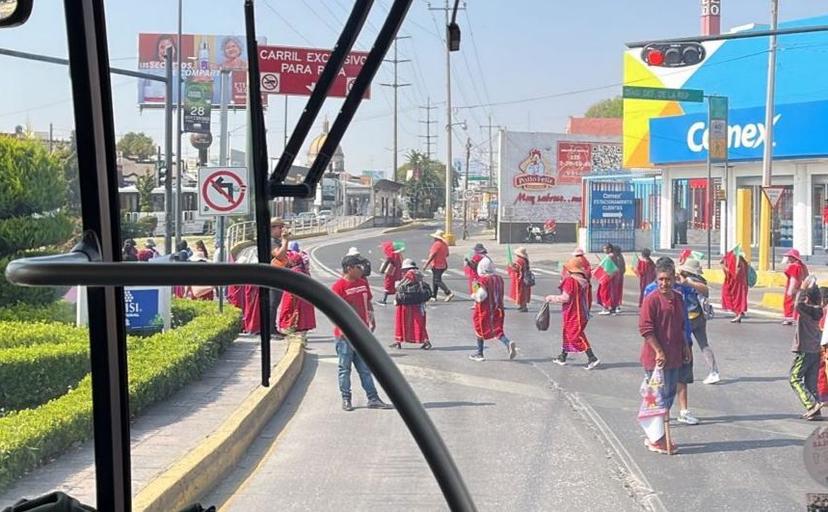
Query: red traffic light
point(673, 55)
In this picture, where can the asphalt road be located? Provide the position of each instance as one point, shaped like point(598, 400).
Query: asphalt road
point(528, 434)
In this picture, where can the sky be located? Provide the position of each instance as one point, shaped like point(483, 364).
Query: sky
point(529, 64)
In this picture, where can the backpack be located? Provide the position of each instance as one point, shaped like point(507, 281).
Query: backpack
point(529, 278)
point(751, 276)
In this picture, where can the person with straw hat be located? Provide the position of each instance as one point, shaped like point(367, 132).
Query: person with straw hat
point(410, 318)
point(796, 271)
point(575, 311)
point(438, 262)
point(522, 278)
point(488, 315)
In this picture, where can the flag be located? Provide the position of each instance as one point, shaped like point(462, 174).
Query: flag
point(509, 254)
point(697, 255)
point(652, 412)
point(737, 251)
point(398, 245)
point(605, 270)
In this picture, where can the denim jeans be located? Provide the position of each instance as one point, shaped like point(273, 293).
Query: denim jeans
point(348, 355)
point(671, 378)
point(481, 343)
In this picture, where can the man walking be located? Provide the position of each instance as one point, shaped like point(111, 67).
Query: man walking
point(356, 291)
point(662, 324)
point(438, 261)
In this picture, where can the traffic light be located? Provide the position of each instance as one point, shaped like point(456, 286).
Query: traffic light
point(162, 173)
point(673, 55)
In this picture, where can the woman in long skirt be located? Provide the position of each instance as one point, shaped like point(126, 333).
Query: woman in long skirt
point(410, 319)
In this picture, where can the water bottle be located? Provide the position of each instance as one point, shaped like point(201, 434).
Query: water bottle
point(204, 56)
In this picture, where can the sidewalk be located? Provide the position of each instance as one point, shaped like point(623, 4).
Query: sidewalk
point(164, 433)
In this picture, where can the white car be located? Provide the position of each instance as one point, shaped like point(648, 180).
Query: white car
point(324, 216)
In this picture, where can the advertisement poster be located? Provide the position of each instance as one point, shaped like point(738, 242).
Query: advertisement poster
point(540, 173)
point(197, 106)
point(203, 57)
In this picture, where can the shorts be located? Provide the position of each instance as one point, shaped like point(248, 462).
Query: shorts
point(685, 373)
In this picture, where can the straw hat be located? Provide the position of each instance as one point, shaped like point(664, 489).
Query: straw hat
point(691, 266)
point(277, 221)
point(521, 251)
point(574, 265)
point(439, 234)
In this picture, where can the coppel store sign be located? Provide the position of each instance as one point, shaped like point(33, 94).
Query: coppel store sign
point(799, 130)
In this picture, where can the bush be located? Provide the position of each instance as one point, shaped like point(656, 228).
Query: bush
point(27, 334)
point(60, 312)
point(34, 375)
point(158, 366)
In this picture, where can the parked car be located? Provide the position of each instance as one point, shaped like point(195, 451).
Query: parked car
point(324, 216)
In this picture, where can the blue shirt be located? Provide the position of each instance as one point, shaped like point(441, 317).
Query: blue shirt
point(688, 294)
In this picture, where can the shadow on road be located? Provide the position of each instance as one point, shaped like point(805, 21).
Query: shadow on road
point(737, 446)
point(725, 382)
point(446, 405)
point(749, 417)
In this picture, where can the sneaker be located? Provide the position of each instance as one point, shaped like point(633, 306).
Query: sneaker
point(524, 309)
point(614, 312)
point(618, 309)
point(433, 299)
point(592, 363)
point(477, 357)
point(712, 378)
point(816, 417)
point(813, 411)
point(787, 322)
point(449, 297)
point(376, 403)
point(346, 405)
point(512, 350)
point(604, 312)
point(426, 345)
point(381, 303)
point(660, 447)
point(559, 360)
point(395, 345)
point(685, 417)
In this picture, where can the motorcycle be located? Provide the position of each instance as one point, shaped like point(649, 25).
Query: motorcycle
point(550, 231)
point(533, 234)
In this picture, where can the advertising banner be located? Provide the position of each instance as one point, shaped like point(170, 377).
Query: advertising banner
point(197, 105)
point(540, 173)
point(295, 71)
point(202, 59)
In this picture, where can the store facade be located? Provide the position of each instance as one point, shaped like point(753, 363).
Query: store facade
point(670, 139)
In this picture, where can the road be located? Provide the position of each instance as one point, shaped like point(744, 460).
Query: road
point(528, 434)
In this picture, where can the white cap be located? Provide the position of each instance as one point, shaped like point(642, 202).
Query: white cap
point(486, 266)
point(353, 251)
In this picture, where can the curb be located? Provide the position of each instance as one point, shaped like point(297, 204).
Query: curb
point(405, 227)
point(194, 475)
point(774, 301)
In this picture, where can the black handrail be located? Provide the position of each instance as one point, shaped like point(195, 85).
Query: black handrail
point(50, 271)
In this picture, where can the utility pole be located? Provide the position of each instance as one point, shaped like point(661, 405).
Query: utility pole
point(396, 85)
point(428, 122)
point(465, 192)
point(765, 238)
point(491, 149)
point(452, 39)
point(178, 157)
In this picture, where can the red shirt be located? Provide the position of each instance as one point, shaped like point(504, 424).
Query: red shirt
point(663, 317)
point(357, 294)
point(439, 251)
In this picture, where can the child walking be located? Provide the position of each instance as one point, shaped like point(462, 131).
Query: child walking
point(806, 349)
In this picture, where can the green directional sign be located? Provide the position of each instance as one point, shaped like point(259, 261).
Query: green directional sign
point(663, 94)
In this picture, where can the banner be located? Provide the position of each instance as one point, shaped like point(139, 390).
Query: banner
point(197, 106)
point(202, 59)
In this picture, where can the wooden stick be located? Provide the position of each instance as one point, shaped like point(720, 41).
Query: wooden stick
point(667, 433)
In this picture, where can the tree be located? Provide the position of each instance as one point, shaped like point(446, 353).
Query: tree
point(145, 184)
point(613, 107)
point(32, 216)
point(67, 157)
point(426, 188)
point(136, 146)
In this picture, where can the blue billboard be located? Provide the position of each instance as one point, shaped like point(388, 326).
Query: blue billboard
point(142, 308)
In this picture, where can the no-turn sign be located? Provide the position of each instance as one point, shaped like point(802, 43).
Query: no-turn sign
point(223, 191)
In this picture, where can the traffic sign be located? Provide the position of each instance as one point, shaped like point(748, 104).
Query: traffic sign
point(717, 137)
point(469, 194)
point(295, 71)
point(223, 191)
point(662, 94)
point(774, 193)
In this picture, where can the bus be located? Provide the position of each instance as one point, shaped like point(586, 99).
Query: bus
point(194, 224)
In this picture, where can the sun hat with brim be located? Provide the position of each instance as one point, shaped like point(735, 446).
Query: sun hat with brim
point(691, 266)
point(480, 248)
point(277, 221)
point(521, 251)
point(793, 253)
point(574, 265)
point(353, 251)
point(439, 234)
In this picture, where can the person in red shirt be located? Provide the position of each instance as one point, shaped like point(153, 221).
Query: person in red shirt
point(438, 261)
point(796, 272)
point(390, 269)
point(487, 318)
point(355, 290)
point(661, 323)
point(645, 270)
point(470, 264)
point(575, 313)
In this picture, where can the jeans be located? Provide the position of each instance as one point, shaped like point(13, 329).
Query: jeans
point(481, 343)
point(698, 326)
point(348, 355)
point(437, 281)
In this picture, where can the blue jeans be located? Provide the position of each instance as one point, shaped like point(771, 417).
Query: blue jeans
point(671, 378)
point(348, 355)
point(481, 343)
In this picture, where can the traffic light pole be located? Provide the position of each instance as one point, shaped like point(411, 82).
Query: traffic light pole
point(449, 167)
point(765, 238)
point(168, 210)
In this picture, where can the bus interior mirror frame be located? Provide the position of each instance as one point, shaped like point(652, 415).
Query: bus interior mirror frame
point(18, 15)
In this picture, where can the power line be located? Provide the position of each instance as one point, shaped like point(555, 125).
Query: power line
point(477, 59)
point(287, 23)
point(428, 122)
point(396, 85)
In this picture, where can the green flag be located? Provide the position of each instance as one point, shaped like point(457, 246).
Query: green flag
point(737, 251)
point(509, 254)
point(697, 255)
point(608, 265)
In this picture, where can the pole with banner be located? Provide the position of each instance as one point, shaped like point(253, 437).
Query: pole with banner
point(716, 153)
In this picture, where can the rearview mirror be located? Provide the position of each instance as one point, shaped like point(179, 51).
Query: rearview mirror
point(14, 12)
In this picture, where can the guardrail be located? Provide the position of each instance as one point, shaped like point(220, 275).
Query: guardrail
point(246, 231)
